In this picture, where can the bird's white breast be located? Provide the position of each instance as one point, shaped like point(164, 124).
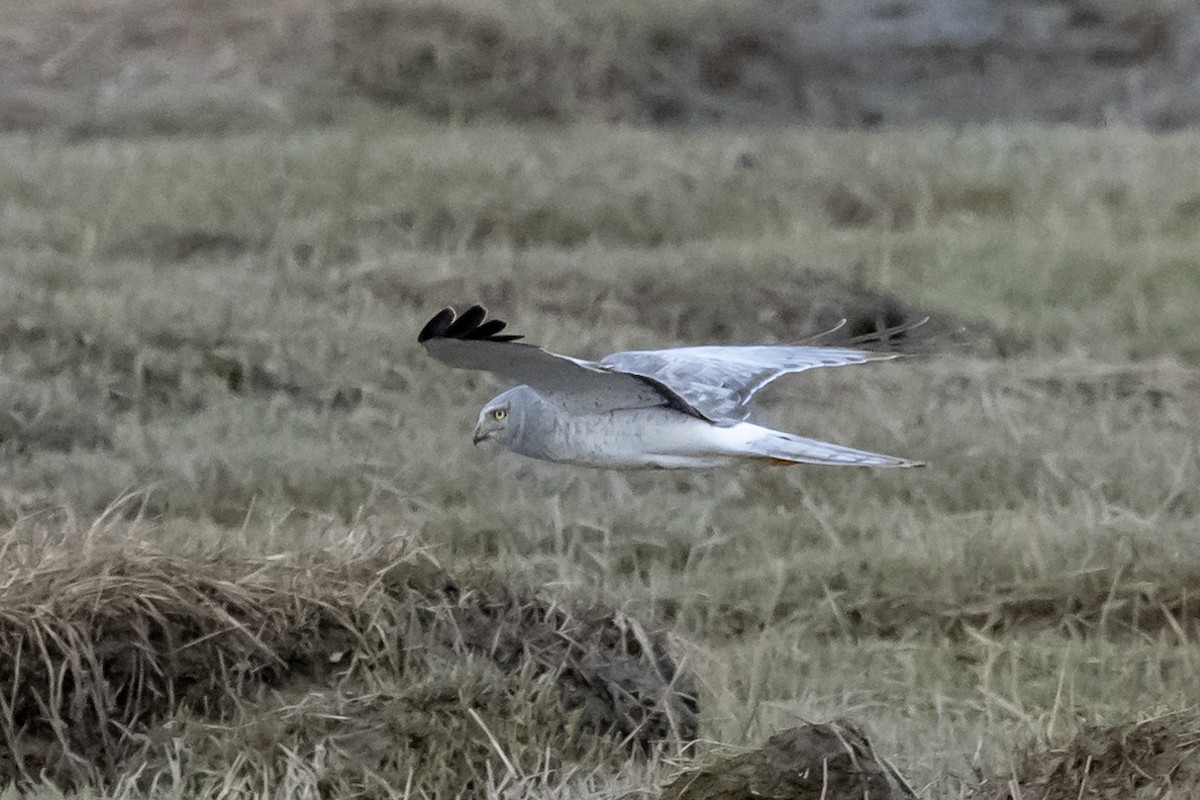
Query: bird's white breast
point(639, 438)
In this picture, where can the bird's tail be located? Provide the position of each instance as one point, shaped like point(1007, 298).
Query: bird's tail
point(785, 449)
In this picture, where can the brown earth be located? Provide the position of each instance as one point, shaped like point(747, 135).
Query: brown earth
point(160, 66)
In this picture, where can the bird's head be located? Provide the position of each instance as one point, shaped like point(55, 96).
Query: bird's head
point(494, 420)
point(518, 421)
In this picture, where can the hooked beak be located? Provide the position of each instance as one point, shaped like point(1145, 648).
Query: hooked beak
point(487, 428)
point(480, 435)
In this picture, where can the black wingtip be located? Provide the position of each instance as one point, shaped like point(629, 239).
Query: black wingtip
point(437, 326)
point(471, 324)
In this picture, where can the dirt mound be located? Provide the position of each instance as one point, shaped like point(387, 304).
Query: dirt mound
point(609, 668)
point(811, 762)
point(1157, 758)
point(94, 652)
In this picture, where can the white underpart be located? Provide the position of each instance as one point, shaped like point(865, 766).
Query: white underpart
point(667, 439)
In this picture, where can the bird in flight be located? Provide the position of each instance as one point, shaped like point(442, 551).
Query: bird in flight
point(668, 409)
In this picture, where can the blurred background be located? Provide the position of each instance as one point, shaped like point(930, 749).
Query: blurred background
point(91, 67)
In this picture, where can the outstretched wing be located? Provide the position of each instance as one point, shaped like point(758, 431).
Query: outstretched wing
point(471, 341)
point(719, 381)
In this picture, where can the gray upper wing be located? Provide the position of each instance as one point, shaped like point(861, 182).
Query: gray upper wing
point(719, 381)
point(471, 341)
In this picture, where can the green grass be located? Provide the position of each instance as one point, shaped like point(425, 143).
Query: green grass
point(226, 326)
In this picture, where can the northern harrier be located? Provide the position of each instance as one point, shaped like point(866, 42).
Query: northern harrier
point(673, 408)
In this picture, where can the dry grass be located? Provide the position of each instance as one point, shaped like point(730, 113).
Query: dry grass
point(367, 657)
point(226, 326)
point(1154, 757)
point(164, 67)
point(149, 67)
point(664, 63)
point(832, 761)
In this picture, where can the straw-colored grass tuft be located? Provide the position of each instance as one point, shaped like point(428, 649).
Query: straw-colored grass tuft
point(1154, 758)
point(96, 650)
point(833, 761)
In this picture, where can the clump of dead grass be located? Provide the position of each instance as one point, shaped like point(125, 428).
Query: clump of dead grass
point(833, 761)
point(1154, 758)
point(100, 643)
point(463, 728)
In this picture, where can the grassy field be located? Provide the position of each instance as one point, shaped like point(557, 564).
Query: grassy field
point(214, 340)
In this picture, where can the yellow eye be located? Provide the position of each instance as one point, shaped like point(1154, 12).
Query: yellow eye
point(499, 414)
